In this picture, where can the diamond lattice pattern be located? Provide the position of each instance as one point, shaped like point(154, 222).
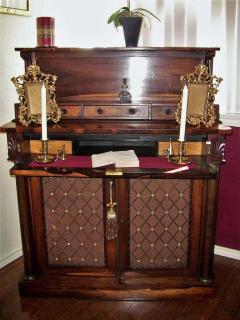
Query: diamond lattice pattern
point(73, 211)
point(159, 223)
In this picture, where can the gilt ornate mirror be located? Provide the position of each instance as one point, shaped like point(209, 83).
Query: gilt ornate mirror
point(29, 88)
point(202, 88)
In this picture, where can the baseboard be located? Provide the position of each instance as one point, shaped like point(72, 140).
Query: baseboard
point(10, 257)
point(227, 252)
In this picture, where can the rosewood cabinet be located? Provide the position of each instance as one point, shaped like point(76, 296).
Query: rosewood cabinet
point(163, 234)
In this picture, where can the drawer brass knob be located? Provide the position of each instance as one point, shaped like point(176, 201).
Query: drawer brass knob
point(99, 111)
point(64, 111)
point(168, 112)
point(132, 111)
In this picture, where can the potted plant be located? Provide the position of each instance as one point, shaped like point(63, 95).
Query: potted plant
point(131, 21)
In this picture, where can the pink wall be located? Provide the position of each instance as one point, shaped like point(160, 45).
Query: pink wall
point(228, 221)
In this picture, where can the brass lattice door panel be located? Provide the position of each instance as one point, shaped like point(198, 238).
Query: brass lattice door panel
point(159, 223)
point(73, 211)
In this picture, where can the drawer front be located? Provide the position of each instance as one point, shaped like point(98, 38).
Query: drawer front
point(116, 112)
point(71, 111)
point(163, 112)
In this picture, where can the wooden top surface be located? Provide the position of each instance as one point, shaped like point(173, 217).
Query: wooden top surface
point(137, 49)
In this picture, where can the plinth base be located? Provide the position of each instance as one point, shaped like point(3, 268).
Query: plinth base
point(106, 288)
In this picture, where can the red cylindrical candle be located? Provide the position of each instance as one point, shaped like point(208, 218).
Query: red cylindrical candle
point(45, 31)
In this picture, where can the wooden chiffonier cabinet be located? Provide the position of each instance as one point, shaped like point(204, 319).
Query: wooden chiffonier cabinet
point(159, 240)
point(164, 240)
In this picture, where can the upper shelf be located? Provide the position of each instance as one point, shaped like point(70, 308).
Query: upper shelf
point(97, 74)
point(90, 80)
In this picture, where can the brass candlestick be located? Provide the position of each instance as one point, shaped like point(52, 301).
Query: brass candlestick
point(44, 157)
point(181, 158)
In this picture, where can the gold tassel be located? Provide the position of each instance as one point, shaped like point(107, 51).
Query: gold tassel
point(111, 221)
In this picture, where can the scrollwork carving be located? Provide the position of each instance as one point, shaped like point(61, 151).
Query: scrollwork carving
point(125, 96)
point(216, 151)
point(14, 148)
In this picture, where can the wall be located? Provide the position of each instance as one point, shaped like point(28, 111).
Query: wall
point(228, 223)
point(14, 31)
point(1, 94)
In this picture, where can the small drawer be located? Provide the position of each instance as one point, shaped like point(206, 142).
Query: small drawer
point(116, 112)
point(163, 112)
point(71, 111)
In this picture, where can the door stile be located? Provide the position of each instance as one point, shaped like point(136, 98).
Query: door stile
point(122, 191)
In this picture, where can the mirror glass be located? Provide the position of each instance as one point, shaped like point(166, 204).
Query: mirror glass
point(197, 96)
point(34, 99)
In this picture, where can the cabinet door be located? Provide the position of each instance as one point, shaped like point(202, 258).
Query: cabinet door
point(73, 214)
point(163, 226)
point(70, 227)
point(159, 223)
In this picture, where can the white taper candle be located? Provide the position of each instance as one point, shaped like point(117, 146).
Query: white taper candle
point(183, 114)
point(44, 112)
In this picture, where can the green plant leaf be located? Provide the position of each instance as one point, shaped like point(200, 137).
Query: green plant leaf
point(115, 17)
point(117, 22)
point(147, 11)
point(145, 18)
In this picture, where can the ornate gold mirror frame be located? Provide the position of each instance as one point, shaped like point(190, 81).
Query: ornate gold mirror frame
point(29, 91)
point(202, 87)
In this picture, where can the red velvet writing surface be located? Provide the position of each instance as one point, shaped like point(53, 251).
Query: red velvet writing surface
point(85, 162)
point(70, 162)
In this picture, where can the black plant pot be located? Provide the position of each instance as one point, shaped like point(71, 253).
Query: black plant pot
point(131, 28)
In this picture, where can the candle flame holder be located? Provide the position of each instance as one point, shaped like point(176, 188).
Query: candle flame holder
point(44, 157)
point(62, 154)
point(169, 151)
point(181, 158)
